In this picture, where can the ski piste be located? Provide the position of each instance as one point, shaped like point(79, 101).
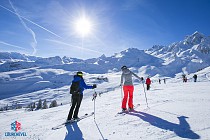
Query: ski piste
point(72, 121)
point(127, 111)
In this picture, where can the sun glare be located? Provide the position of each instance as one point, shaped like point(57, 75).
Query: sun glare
point(83, 26)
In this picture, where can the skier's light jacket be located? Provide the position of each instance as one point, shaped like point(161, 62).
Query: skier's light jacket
point(82, 84)
point(127, 77)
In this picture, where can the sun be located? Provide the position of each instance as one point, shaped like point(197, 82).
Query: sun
point(83, 26)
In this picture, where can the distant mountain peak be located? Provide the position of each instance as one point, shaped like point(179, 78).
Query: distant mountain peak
point(194, 39)
point(132, 49)
point(102, 56)
point(196, 33)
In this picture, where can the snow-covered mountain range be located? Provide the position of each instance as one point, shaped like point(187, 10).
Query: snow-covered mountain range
point(22, 74)
point(189, 55)
point(186, 56)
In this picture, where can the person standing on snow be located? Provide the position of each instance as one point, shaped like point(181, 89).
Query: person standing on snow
point(195, 77)
point(184, 78)
point(159, 81)
point(77, 97)
point(128, 88)
point(164, 80)
point(148, 83)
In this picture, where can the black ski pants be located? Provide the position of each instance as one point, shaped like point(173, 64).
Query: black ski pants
point(148, 86)
point(76, 102)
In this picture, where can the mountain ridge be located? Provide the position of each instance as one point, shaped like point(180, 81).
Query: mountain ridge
point(188, 55)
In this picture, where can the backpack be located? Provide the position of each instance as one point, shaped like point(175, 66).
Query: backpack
point(74, 89)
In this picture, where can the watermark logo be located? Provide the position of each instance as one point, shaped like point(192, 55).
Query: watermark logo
point(15, 126)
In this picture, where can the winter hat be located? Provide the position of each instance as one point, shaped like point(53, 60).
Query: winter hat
point(123, 67)
point(79, 73)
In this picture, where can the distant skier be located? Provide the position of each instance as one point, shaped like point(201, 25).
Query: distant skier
point(148, 83)
point(184, 78)
point(159, 81)
point(195, 77)
point(164, 80)
point(128, 88)
point(142, 79)
point(78, 95)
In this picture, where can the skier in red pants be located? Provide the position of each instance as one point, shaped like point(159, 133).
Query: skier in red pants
point(128, 87)
point(148, 83)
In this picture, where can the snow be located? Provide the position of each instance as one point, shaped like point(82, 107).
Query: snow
point(25, 81)
point(177, 110)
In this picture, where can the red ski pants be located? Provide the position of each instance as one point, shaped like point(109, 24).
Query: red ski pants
point(128, 90)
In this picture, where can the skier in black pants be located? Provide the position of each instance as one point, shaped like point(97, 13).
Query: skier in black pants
point(195, 77)
point(77, 98)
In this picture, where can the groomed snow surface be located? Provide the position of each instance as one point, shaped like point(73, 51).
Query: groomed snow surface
point(176, 111)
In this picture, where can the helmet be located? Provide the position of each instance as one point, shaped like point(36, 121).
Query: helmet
point(79, 73)
point(123, 67)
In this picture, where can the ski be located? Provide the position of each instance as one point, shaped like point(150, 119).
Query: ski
point(123, 112)
point(72, 121)
point(82, 117)
point(128, 110)
point(136, 106)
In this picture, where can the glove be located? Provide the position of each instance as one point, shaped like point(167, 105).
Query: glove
point(94, 86)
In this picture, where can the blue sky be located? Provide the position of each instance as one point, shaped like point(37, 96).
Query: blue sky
point(46, 27)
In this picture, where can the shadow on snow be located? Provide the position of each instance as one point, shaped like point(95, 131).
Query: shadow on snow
point(182, 129)
point(74, 132)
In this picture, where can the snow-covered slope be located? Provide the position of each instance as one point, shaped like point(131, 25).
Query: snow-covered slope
point(176, 111)
point(32, 80)
point(30, 85)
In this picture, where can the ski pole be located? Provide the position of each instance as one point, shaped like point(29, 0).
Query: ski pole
point(94, 98)
point(94, 109)
point(145, 95)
